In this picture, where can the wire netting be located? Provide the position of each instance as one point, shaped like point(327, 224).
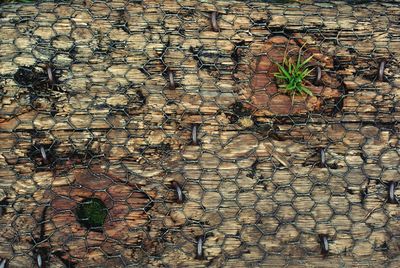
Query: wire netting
point(156, 134)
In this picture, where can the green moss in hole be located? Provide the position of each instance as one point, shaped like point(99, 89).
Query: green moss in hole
point(91, 213)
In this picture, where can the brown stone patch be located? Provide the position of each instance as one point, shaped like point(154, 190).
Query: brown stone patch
point(263, 93)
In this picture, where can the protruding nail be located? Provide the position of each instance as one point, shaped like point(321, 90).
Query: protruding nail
point(392, 196)
point(50, 74)
point(3, 263)
point(319, 75)
point(39, 260)
point(214, 23)
point(199, 248)
point(324, 244)
point(43, 153)
point(381, 70)
point(363, 194)
point(179, 193)
point(194, 135)
point(323, 157)
point(3, 205)
point(172, 84)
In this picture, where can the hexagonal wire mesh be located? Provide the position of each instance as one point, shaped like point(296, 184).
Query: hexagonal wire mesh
point(169, 115)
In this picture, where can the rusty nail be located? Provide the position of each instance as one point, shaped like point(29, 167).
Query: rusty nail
point(381, 70)
point(3, 263)
point(392, 196)
point(194, 134)
point(324, 244)
point(323, 158)
point(171, 80)
point(319, 75)
point(199, 252)
point(50, 74)
point(214, 21)
point(179, 193)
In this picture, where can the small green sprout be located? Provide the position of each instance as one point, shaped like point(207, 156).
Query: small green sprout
point(293, 74)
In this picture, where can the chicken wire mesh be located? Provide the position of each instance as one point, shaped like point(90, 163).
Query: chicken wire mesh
point(154, 133)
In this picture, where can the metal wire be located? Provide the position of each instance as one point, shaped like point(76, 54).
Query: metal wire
point(171, 115)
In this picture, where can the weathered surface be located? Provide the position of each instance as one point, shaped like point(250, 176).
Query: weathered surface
point(264, 92)
point(255, 186)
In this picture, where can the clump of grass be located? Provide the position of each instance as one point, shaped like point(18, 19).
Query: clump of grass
point(292, 74)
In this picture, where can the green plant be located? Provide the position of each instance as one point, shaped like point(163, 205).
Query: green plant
point(92, 213)
point(292, 74)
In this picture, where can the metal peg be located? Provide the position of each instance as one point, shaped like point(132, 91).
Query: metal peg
point(199, 248)
point(3, 205)
point(381, 70)
point(324, 244)
point(392, 196)
point(319, 75)
point(194, 135)
point(363, 194)
point(179, 193)
point(172, 84)
point(50, 74)
point(39, 260)
point(323, 157)
point(3, 263)
point(43, 153)
point(214, 23)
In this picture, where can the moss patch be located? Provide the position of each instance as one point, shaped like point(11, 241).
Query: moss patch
point(92, 213)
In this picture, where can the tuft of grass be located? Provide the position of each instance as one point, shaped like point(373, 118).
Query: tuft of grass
point(292, 74)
